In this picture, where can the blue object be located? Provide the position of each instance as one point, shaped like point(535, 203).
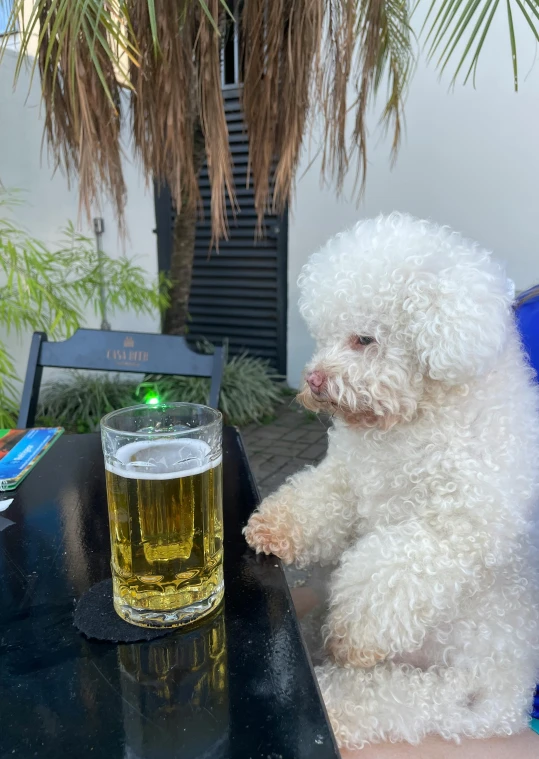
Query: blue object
point(25, 451)
point(527, 316)
point(535, 707)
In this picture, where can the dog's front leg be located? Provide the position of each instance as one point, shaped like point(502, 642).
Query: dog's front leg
point(395, 585)
point(310, 518)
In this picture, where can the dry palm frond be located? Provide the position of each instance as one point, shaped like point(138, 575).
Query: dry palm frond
point(80, 89)
point(389, 54)
point(167, 53)
point(301, 59)
point(212, 118)
point(280, 52)
point(367, 41)
point(163, 105)
point(306, 58)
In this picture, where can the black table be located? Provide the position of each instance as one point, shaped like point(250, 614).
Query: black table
point(240, 686)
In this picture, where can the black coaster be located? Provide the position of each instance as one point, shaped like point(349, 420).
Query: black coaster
point(95, 617)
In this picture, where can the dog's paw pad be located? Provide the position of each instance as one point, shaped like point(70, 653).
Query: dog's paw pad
point(263, 536)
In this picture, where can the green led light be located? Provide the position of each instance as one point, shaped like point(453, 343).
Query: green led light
point(151, 400)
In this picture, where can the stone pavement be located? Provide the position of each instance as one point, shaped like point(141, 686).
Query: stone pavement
point(282, 447)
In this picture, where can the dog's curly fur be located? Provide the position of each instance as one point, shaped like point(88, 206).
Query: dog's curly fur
point(425, 498)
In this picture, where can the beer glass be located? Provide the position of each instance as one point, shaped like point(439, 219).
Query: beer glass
point(163, 467)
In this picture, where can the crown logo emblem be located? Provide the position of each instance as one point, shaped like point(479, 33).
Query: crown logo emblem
point(129, 342)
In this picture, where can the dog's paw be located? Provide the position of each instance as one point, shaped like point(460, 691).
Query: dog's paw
point(265, 535)
point(346, 654)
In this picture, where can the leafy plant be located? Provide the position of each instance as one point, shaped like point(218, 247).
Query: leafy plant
point(77, 401)
point(50, 290)
point(248, 392)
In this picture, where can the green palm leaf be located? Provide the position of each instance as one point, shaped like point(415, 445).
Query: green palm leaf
point(457, 31)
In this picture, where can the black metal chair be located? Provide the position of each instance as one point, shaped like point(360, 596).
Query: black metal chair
point(137, 352)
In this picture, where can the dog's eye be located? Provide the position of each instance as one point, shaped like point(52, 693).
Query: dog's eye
point(360, 341)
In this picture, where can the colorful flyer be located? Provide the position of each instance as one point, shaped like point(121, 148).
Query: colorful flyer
point(20, 450)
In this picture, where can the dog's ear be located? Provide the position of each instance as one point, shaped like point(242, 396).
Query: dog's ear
point(460, 320)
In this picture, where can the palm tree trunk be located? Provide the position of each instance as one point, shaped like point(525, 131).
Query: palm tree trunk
point(183, 251)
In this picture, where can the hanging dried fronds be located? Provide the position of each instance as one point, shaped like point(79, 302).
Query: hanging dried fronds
point(302, 60)
point(305, 62)
point(313, 58)
point(387, 53)
point(212, 118)
point(81, 92)
point(163, 106)
point(280, 52)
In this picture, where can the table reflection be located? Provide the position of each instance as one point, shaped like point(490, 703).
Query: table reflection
point(169, 689)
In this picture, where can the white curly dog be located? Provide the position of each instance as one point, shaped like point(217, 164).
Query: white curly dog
point(425, 498)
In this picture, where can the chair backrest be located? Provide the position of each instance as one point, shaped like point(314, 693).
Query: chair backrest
point(117, 352)
point(527, 315)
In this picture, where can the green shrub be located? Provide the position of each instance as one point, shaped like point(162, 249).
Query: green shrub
point(49, 288)
point(249, 391)
point(77, 401)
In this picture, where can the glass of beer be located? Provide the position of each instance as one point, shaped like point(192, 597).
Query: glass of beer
point(163, 467)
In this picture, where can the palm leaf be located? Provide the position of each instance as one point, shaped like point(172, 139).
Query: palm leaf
point(493, 6)
point(458, 29)
point(513, 44)
point(301, 59)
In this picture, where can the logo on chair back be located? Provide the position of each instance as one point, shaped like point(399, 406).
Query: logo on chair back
point(127, 356)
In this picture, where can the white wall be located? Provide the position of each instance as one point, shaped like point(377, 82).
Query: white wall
point(50, 203)
point(470, 159)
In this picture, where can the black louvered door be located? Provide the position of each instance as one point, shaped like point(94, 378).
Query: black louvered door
point(240, 292)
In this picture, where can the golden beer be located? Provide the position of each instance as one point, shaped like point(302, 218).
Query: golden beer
point(166, 528)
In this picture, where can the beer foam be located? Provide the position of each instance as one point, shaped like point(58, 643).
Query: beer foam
point(167, 460)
